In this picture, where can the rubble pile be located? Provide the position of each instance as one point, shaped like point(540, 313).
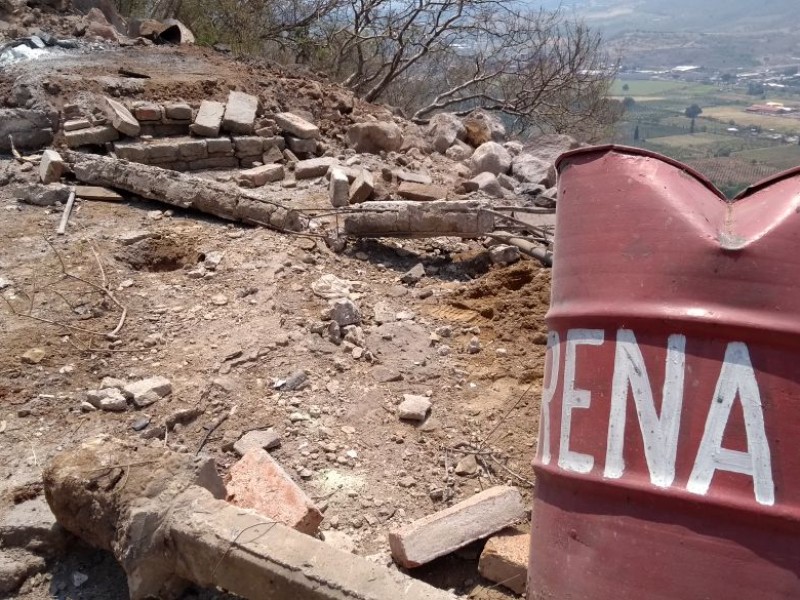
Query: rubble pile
point(342, 387)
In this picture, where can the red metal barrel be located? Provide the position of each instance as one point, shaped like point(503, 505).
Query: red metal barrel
point(668, 464)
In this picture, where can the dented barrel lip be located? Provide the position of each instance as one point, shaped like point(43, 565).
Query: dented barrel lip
point(700, 177)
point(630, 150)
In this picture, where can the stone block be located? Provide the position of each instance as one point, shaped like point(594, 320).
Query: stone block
point(76, 124)
point(134, 152)
point(162, 152)
point(179, 111)
point(275, 141)
point(258, 482)
point(339, 188)
point(121, 118)
point(296, 126)
point(94, 136)
point(412, 177)
point(272, 155)
point(249, 145)
point(220, 147)
point(209, 119)
point(51, 167)
point(240, 113)
point(258, 176)
point(148, 112)
point(193, 149)
point(504, 560)
point(452, 528)
point(300, 146)
point(165, 129)
point(314, 167)
point(215, 162)
point(421, 192)
point(361, 189)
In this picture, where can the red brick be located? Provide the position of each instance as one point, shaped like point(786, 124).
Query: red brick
point(505, 560)
point(258, 482)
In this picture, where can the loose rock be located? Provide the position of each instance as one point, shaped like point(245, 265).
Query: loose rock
point(414, 408)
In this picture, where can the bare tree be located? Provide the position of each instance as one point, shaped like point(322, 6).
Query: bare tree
point(538, 67)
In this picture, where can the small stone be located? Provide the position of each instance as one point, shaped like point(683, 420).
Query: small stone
point(219, 300)
point(140, 423)
point(445, 331)
point(413, 407)
point(78, 579)
point(467, 466)
point(362, 188)
point(147, 399)
point(345, 312)
point(407, 481)
point(474, 346)
point(212, 260)
point(260, 438)
point(306, 474)
point(413, 276)
point(296, 381)
point(113, 401)
point(33, 356)
point(160, 386)
point(112, 382)
point(504, 255)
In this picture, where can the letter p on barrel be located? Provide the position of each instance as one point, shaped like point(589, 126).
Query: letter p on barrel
point(668, 463)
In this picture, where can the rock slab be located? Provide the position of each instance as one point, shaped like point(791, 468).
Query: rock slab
point(258, 482)
point(297, 126)
point(240, 113)
point(208, 121)
point(122, 119)
point(448, 530)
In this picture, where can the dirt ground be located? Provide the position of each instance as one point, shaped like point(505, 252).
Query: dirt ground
point(225, 340)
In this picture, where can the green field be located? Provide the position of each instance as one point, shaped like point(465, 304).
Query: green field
point(659, 88)
point(731, 159)
point(697, 139)
point(781, 157)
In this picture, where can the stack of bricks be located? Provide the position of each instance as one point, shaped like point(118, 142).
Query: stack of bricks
point(195, 154)
point(165, 120)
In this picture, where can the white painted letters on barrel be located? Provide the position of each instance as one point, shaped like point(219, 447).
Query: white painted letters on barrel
point(661, 433)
